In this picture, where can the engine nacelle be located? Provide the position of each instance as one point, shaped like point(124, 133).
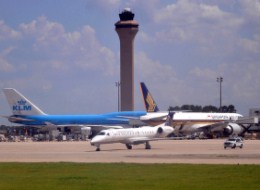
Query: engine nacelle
point(233, 129)
point(160, 130)
point(164, 131)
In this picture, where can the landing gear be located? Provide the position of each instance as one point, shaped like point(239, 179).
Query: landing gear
point(129, 146)
point(147, 146)
point(98, 148)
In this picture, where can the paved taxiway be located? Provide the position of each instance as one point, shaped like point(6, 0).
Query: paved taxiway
point(170, 151)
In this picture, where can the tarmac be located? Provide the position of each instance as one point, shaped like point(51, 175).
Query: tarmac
point(168, 151)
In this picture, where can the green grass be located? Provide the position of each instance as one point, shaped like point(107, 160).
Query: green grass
point(128, 176)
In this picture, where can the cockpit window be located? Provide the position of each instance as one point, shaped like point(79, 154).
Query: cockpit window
point(101, 133)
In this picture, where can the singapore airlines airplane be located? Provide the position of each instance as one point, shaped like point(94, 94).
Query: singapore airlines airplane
point(134, 136)
point(187, 123)
point(26, 113)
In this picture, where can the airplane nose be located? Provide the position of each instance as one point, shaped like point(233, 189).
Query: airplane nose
point(94, 141)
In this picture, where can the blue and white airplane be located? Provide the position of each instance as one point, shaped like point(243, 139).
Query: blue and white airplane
point(186, 123)
point(27, 113)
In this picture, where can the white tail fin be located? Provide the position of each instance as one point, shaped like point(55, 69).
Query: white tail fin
point(19, 104)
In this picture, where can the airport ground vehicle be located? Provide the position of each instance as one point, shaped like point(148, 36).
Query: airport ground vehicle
point(233, 142)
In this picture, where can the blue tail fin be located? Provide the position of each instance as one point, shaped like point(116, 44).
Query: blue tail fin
point(149, 102)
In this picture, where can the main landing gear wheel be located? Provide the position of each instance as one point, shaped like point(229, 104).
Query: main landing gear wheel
point(147, 146)
point(98, 149)
point(129, 146)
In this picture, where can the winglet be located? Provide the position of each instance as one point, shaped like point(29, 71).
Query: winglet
point(149, 102)
point(19, 104)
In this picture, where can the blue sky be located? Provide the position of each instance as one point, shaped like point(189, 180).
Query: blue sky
point(64, 55)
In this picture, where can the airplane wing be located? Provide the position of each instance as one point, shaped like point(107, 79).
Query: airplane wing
point(212, 126)
point(133, 121)
point(98, 127)
point(154, 116)
point(93, 129)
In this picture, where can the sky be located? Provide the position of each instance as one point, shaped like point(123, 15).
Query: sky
point(64, 55)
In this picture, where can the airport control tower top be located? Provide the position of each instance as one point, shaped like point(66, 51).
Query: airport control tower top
point(127, 19)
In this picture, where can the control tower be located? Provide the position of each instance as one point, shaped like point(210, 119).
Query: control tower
point(126, 29)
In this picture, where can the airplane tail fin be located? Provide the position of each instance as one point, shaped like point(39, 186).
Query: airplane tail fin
point(19, 104)
point(149, 102)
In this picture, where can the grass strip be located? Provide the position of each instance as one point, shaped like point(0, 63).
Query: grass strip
point(128, 176)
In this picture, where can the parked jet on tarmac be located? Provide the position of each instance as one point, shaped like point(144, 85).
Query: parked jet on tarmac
point(187, 123)
point(134, 136)
point(27, 113)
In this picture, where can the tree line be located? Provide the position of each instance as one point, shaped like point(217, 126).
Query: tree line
point(208, 108)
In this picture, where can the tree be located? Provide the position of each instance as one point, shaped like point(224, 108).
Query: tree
point(210, 108)
point(198, 108)
point(231, 109)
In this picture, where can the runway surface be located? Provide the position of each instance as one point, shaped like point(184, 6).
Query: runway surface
point(170, 151)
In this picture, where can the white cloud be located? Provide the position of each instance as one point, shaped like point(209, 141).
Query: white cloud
point(48, 61)
point(200, 23)
point(5, 65)
point(250, 45)
point(251, 8)
point(204, 73)
point(154, 70)
point(7, 33)
point(67, 50)
point(170, 89)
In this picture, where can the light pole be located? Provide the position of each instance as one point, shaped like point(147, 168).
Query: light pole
point(118, 84)
point(220, 80)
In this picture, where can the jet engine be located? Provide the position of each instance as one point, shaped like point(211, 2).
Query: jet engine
point(164, 131)
point(160, 130)
point(233, 129)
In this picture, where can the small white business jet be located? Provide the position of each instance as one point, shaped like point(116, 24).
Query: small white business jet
point(134, 136)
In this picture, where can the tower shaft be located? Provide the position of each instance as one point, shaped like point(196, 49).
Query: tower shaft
point(126, 30)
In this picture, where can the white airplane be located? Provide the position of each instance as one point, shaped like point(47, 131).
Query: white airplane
point(134, 136)
point(187, 123)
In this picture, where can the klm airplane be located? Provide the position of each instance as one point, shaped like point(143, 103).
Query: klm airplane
point(27, 113)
